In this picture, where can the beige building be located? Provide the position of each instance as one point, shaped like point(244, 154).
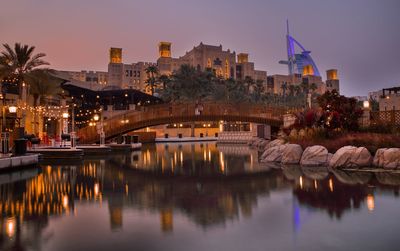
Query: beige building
point(95, 80)
point(276, 82)
point(390, 99)
point(224, 63)
point(209, 57)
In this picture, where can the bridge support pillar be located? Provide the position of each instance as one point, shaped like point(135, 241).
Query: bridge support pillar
point(192, 126)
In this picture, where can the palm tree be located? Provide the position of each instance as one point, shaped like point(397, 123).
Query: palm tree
point(305, 87)
point(249, 82)
point(19, 62)
point(164, 80)
point(313, 87)
point(297, 89)
point(284, 88)
point(151, 81)
point(291, 90)
point(42, 85)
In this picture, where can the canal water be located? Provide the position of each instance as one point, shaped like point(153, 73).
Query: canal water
point(196, 196)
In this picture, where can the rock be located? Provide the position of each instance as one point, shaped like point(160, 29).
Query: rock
point(263, 144)
point(273, 154)
point(352, 178)
point(292, 154)
point(314, 156)
point(315, 172)
point(276, 142)
point(388, 178)
point(292, 172)
point(388, 158)
point(350, 157)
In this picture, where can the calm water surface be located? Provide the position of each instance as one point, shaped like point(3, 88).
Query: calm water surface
point(196, 197)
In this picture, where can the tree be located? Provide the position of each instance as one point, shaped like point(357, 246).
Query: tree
point(42, 85)
point(249, 82)
point(188, 84)
point(339, 111)
point(19, 63)
point(151, 81)
point(164, 80)
point(305, 87)
point(284, 88)
point(291, 90)
point(313, 87)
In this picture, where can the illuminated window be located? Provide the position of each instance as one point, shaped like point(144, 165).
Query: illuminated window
point(209, 63)
point(226, 68)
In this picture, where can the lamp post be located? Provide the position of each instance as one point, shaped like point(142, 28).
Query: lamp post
point(100, 128)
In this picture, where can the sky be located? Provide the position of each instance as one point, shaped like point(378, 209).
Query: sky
point(360, 38)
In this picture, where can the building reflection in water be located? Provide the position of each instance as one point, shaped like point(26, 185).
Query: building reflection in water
point(209, 184)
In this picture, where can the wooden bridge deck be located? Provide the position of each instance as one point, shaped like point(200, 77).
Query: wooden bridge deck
point(177, 113)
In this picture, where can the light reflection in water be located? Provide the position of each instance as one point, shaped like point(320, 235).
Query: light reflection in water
point(126, 182)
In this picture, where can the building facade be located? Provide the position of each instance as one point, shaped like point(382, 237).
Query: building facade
point(224, 63)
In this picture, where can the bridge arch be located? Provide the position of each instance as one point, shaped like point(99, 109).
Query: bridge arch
point(181, 113)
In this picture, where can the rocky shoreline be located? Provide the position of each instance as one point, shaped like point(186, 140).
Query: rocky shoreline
point(278, 151)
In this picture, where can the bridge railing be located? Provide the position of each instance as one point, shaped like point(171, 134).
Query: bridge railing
point(158, 114)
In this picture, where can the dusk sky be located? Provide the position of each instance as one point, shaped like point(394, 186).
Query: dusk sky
point(358, 37)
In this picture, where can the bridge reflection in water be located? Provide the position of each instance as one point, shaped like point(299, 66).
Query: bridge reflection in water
point(209, 185)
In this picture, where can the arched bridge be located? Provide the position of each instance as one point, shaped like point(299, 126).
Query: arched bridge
point(180, 113)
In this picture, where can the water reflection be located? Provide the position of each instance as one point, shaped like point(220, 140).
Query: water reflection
point(210, 185)
point(200, 159)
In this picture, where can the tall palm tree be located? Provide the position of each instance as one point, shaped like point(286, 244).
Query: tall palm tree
point(291, 90)
point(42, 85)
point(249, 82)
point(19, 62)
point(164, 80)
point(313, 87)
point(284, 88)
point(305, 87)
point(151, 81)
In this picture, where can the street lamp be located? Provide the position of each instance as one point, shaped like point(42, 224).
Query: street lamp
point(12, 109)
point(96, 118)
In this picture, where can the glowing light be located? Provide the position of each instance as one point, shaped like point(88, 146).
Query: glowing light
point(366, 104)
point(315, 184)
point(222, 161)
point(10, 227)
point(96, 189)
point(65, 201)
point(65, 115)
point(331, 185)
point(371, 202)
point(12, 109)
point(96, 117)
point(301, 182)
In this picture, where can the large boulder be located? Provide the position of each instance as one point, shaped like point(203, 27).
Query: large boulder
point(273, 154)
point(292, 154)
point(314, 156)
point(276, 142)
point(388, 158)
point(351, 157)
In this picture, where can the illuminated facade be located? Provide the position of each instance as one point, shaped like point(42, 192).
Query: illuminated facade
point(209, 57)
point(298, 61)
